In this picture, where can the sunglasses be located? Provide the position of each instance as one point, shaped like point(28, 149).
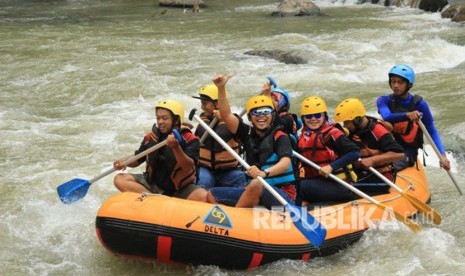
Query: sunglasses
point(261, 111)
point(316, 115)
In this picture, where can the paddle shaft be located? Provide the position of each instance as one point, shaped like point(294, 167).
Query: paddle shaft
point(212, 124)
point(238, 158)
point(436, 150)
point(411, 224)
point(130, 160)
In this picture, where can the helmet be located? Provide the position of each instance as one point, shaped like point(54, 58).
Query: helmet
point(208, 92)
point(313, 105)
point(404, 71)
point(285, 102)
point(258, 101)
point(348, 110)
point(174, 106)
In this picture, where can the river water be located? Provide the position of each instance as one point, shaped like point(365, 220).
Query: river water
point(78, 84)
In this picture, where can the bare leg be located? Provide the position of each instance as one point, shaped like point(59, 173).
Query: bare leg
point(198, 195)
point(211, 198)
point(127, 183)
point(251, 195)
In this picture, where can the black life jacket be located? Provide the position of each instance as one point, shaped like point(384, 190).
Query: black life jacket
point(162, 168)
point(407, 133)
point(260, 152)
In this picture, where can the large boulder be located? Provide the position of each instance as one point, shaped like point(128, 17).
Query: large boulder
point(296, 8)
point(279, 55)
point(455, 13)
point(432, 5)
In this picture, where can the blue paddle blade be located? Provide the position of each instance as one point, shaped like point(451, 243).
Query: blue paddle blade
point(272, 81)
point(73, 190)
point(307, 224)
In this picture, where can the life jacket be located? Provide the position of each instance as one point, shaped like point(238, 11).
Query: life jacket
point(260, 152)
point(407, 133)
point(378, 129)
point(289, 126)
point(162, 167)
point(313, 146)
point(212, 154)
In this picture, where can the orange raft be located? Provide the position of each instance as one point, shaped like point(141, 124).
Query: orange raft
point(171, 230)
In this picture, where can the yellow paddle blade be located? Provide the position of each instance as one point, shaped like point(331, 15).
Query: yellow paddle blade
point(410, 223)
point(422, 207)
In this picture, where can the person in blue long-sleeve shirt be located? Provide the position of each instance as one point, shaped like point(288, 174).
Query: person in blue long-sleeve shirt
point(402, 109)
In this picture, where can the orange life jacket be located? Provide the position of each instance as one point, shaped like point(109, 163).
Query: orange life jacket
point(212, 154)
point(407, 133)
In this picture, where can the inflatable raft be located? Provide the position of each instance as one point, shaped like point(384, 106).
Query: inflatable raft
point(171, 230)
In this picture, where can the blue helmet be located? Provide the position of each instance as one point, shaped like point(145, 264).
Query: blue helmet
point(285, 102)
point(404, 71)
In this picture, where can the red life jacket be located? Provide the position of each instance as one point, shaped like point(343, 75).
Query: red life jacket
point(313, 146)
point(378, 129)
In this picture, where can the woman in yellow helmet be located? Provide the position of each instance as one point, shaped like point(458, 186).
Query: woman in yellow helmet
point(217, 167)
point(267, 149)
point(326, 145)
point(171, 169)
point(378, 148)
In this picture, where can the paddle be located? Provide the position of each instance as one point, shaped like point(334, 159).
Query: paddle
point(77, 188)
point(306, 223)
point(215, 120)
point(436, 150)
point(422, 207)
point(410, 223)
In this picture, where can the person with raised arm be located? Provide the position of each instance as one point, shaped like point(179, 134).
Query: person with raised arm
point(267, 149)
point(217, 167)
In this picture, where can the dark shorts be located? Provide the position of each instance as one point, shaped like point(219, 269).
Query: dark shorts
point(183, 193)
point(230, 196)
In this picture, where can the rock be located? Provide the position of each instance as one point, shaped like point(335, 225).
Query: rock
point(279, 55)
point(296, 8)
point(456, 12)
point(181, 3)
point(432, 5)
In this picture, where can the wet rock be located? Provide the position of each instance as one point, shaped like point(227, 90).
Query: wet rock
point(432, 5)
point(456, 12)
point(279, 55)
point(296, 8)
point(181, 3)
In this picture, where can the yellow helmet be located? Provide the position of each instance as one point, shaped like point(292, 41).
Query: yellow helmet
point(313, 105)
point(258, 101)
point(208, 92)
point(348, 110)
point(172, 105)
